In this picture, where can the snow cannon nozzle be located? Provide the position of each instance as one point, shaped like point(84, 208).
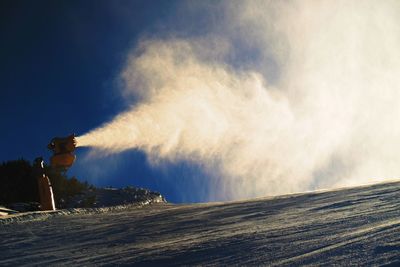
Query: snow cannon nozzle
point(63, 151)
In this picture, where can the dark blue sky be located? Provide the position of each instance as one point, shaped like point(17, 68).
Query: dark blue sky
point(58, 66)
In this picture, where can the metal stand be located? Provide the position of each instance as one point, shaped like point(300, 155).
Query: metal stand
point(44, 186)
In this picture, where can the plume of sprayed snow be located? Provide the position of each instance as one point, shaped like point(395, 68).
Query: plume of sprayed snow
point(330, 118)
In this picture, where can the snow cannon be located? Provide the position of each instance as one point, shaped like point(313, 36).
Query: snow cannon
point(63, 151)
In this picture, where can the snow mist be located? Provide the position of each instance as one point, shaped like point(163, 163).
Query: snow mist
point(318, 107)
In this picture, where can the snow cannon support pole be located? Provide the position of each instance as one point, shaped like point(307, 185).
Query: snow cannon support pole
point(45, 190)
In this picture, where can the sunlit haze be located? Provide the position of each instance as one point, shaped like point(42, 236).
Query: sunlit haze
point(314, 104)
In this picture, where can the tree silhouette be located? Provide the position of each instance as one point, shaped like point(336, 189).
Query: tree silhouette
point(18, 183)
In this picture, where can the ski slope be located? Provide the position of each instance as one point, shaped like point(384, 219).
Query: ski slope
point(356, 226)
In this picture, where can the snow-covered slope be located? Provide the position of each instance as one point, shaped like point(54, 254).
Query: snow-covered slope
point(358, 226)
point(107, 197)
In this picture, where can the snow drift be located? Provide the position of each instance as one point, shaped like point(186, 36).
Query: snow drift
point(356, 226)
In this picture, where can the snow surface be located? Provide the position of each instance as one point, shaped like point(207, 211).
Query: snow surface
point(106, 197)
point(356, 226)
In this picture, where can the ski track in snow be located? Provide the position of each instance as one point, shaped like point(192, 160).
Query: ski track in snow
point(355, 226)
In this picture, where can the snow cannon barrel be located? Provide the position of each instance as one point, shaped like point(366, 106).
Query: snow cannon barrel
point(63, 151)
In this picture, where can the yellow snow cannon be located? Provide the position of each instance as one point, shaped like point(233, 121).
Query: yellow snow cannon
point(63, 149)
